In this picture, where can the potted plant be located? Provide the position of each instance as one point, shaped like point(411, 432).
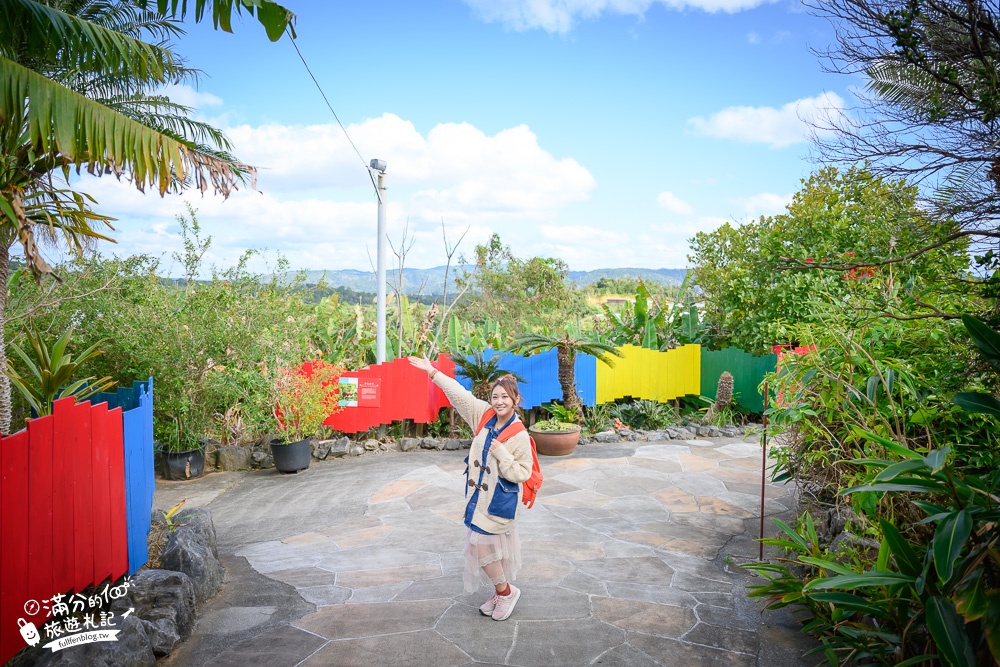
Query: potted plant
point(558, 435)
point(567, 346)
point(305, 397)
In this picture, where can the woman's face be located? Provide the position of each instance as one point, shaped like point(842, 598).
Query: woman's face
point(503, 403)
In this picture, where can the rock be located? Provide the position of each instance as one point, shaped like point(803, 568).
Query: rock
point(633, 436)
point(466, 443)
point(606, 436)
point(714, 432)
point(729, 431)
point(703, 431)
point(263, 460)
point(653, 436)
point(452, 445)
point(409, 444)
point(431, 443)
point(340, 448)
point(132, 649)
point(391, 446)
point(372, 445)
point(233, 457)
point(192, 549)
point(321, 449)
point(164, 601)
point(357, 449)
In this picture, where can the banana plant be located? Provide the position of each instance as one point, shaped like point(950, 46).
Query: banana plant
point(50, 372)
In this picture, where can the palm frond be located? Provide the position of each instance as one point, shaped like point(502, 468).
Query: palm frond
point(271, 15)
point(47, 35)
point(90, 135)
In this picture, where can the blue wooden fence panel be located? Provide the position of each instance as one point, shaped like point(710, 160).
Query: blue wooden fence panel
point(139, 473)
point(586, 379)
point(541, 377)
point(126, 398)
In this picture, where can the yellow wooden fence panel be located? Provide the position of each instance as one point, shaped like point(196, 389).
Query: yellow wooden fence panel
point(651, 374)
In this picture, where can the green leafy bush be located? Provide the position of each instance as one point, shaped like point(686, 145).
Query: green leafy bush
point(644, 415)
point(933, 592)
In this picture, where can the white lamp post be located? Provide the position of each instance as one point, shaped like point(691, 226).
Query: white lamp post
point(379, 166)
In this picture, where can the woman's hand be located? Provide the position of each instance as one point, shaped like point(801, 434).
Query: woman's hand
point(424, 364)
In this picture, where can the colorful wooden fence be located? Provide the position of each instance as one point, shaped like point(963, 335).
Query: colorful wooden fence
point(76, 493)
point(747, 370)
point(406, 393)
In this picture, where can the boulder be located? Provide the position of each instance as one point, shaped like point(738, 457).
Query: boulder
point(729, 431)
point(164, 601)
point(703, 431)
point(452, 445)
point(357, 449)
point(132, 649)
point(233, 457)
point(431, 443)
point(606, 436)
point(192, 549)
point(466, 443)
point(321, 449)
point(408, 444)
point(340, 447)
point(263, 459)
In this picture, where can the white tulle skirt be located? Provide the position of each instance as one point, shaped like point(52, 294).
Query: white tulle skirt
point(481, 550)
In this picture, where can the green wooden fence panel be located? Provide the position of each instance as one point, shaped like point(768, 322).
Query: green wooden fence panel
point(747, 370)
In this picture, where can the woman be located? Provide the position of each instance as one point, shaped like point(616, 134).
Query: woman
point(495, 471)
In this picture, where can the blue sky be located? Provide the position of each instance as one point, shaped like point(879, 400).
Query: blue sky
point(602, 132)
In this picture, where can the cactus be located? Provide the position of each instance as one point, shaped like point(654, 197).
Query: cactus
point(723, 397)
point(724, 391)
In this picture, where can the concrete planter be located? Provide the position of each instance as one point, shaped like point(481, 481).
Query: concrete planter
point(555, 443)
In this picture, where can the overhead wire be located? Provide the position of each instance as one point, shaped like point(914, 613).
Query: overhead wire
point(335, 116)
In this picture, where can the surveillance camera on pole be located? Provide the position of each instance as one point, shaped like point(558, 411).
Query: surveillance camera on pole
point(379, 166)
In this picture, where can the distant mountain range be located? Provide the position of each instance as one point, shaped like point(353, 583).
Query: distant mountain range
point(431, 281)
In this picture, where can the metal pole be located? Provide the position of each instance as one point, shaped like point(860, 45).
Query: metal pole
point(763, 469)
point(380, 274)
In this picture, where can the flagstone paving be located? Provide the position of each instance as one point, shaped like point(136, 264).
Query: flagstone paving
point(631, 557)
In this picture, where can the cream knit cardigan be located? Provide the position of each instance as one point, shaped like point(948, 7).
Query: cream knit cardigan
point(510, 459)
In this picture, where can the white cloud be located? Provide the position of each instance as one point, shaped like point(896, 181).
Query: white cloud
point(560, 15)
point(765, 203)
point(778, 128)
point(753, 38)
point(674, 204)
point(189, 97)
point(317, 205)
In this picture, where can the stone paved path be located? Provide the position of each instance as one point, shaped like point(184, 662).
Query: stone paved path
point(631, 558)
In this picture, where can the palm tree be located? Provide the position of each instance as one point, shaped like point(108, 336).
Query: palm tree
point(567, 346)
point(483, 373)
point(76, 82)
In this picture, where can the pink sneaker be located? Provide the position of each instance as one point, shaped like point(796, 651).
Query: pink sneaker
point(489, 605)
point(505, 604)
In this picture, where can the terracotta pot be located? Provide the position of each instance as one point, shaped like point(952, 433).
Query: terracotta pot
point(555, 443)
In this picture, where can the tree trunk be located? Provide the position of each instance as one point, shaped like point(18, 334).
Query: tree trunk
point(567, 378)
point(4, 380)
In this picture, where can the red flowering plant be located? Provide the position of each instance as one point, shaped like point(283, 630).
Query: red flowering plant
point(305, 398)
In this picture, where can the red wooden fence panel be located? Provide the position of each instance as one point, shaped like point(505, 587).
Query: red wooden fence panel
point(62, 511)
point(14, 499)
point(102, 493)
point(83, 494)
point(118, 537)
point(63, 553)
point(40, 540)
point(405, 393)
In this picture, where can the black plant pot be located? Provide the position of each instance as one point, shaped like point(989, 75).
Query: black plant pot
point(293, 457)
point(183, 465)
